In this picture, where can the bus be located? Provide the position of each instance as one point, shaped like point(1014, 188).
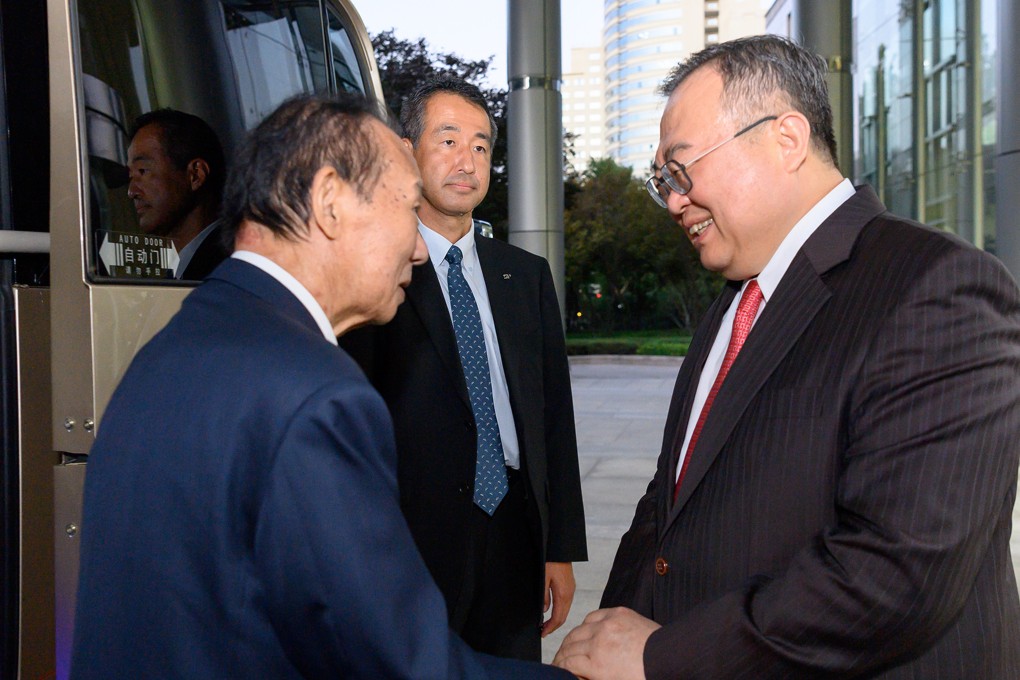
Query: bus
point(82, 288)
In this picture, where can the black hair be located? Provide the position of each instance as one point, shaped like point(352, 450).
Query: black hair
point(184, 138)
point(412, 112)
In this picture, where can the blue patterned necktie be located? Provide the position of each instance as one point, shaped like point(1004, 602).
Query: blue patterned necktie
point(490, 469)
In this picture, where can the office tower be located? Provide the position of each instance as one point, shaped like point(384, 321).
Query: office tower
point(584, 104)
point(642, 41)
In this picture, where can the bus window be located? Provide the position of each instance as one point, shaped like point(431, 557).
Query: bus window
point(277, 51)
point(346, 69)
point(226, 62)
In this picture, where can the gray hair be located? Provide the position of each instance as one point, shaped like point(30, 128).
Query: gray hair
point(760, 70)
point(271, 179)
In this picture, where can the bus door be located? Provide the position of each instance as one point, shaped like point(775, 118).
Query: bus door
point(115, 275)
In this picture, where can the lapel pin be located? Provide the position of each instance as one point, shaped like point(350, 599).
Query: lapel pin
point(506, 276)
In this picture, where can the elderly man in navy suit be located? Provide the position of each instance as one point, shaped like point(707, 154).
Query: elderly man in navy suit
point(241, 514)
point(834, 494)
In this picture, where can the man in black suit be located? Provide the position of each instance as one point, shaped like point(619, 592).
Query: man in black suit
point(474, 371)
point(839, 466)
point(176, 172)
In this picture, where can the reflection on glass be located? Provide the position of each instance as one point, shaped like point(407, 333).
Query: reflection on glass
point(345, 63)
point(225, 63)
point(277, 52)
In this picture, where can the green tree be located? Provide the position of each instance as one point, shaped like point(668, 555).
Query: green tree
point(628, 265)
point(405, 64)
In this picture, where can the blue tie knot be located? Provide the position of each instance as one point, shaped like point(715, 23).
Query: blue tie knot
point(454, 256)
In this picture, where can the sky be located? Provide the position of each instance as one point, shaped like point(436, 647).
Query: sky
point(447, 26)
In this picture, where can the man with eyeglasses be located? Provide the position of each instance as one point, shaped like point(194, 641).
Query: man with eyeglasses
point(839, 464)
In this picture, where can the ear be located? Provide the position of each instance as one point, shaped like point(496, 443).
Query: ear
point(794, 137)
point(409, 144)
point(330, 196)
point(198, 173)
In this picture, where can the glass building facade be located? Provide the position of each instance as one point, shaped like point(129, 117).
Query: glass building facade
point(924, 110)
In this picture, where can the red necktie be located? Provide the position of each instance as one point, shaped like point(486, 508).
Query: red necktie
point(742, 322)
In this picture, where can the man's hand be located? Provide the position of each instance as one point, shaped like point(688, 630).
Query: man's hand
point(609, 644)
point(559, 580)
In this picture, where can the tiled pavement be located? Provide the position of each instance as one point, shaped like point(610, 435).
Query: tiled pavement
point(620, 409)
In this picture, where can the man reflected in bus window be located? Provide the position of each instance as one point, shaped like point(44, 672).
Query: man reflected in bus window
point(176, 172)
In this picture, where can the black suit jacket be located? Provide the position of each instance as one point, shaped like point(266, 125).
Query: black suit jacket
point(847, 508)
point(414, 364)
point(210, 252)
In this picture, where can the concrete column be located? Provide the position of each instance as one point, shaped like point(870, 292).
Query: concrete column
point(535, 133)
point(1007, 156)
point(825, 27)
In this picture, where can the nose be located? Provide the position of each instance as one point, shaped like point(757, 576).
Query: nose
point(466, 160)
point(676, 203)
point(421, 252)
point(132, 190)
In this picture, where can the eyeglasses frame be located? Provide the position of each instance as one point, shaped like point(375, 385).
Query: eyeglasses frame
point(669, 178)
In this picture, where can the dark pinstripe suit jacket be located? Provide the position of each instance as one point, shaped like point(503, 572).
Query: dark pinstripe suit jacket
point(847, 510)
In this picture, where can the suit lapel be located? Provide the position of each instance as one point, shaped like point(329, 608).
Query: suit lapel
point(690, 374)
point(799, 297)
point(425, 297)
point(504, 307)
point(797, 300)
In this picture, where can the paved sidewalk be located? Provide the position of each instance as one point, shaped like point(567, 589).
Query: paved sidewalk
point(620, 408)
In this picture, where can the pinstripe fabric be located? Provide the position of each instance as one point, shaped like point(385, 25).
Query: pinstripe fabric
point(848, 510)
point(742, 322)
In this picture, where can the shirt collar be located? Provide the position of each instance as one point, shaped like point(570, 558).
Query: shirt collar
point(294, 286)
point(438, 245)
point(774, 271)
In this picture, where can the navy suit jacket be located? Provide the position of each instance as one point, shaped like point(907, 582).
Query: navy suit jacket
point(241, 515)
point(847, 509)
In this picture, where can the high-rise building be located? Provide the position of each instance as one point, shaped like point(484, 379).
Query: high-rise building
point(642, 41)
point(584, 104)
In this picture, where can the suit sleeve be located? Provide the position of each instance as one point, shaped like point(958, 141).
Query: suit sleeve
point(629, 583)
point(567, 541)
point(928, 473)
point(348, 593)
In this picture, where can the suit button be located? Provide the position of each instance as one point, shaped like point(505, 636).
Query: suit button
point(465, 490)
point(661, 566)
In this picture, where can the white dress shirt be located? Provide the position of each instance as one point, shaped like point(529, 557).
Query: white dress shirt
point(438, 246)
point(768, 281)
point(294, 286)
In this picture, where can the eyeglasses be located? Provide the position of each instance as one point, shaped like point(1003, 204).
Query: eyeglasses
point(674, 175)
